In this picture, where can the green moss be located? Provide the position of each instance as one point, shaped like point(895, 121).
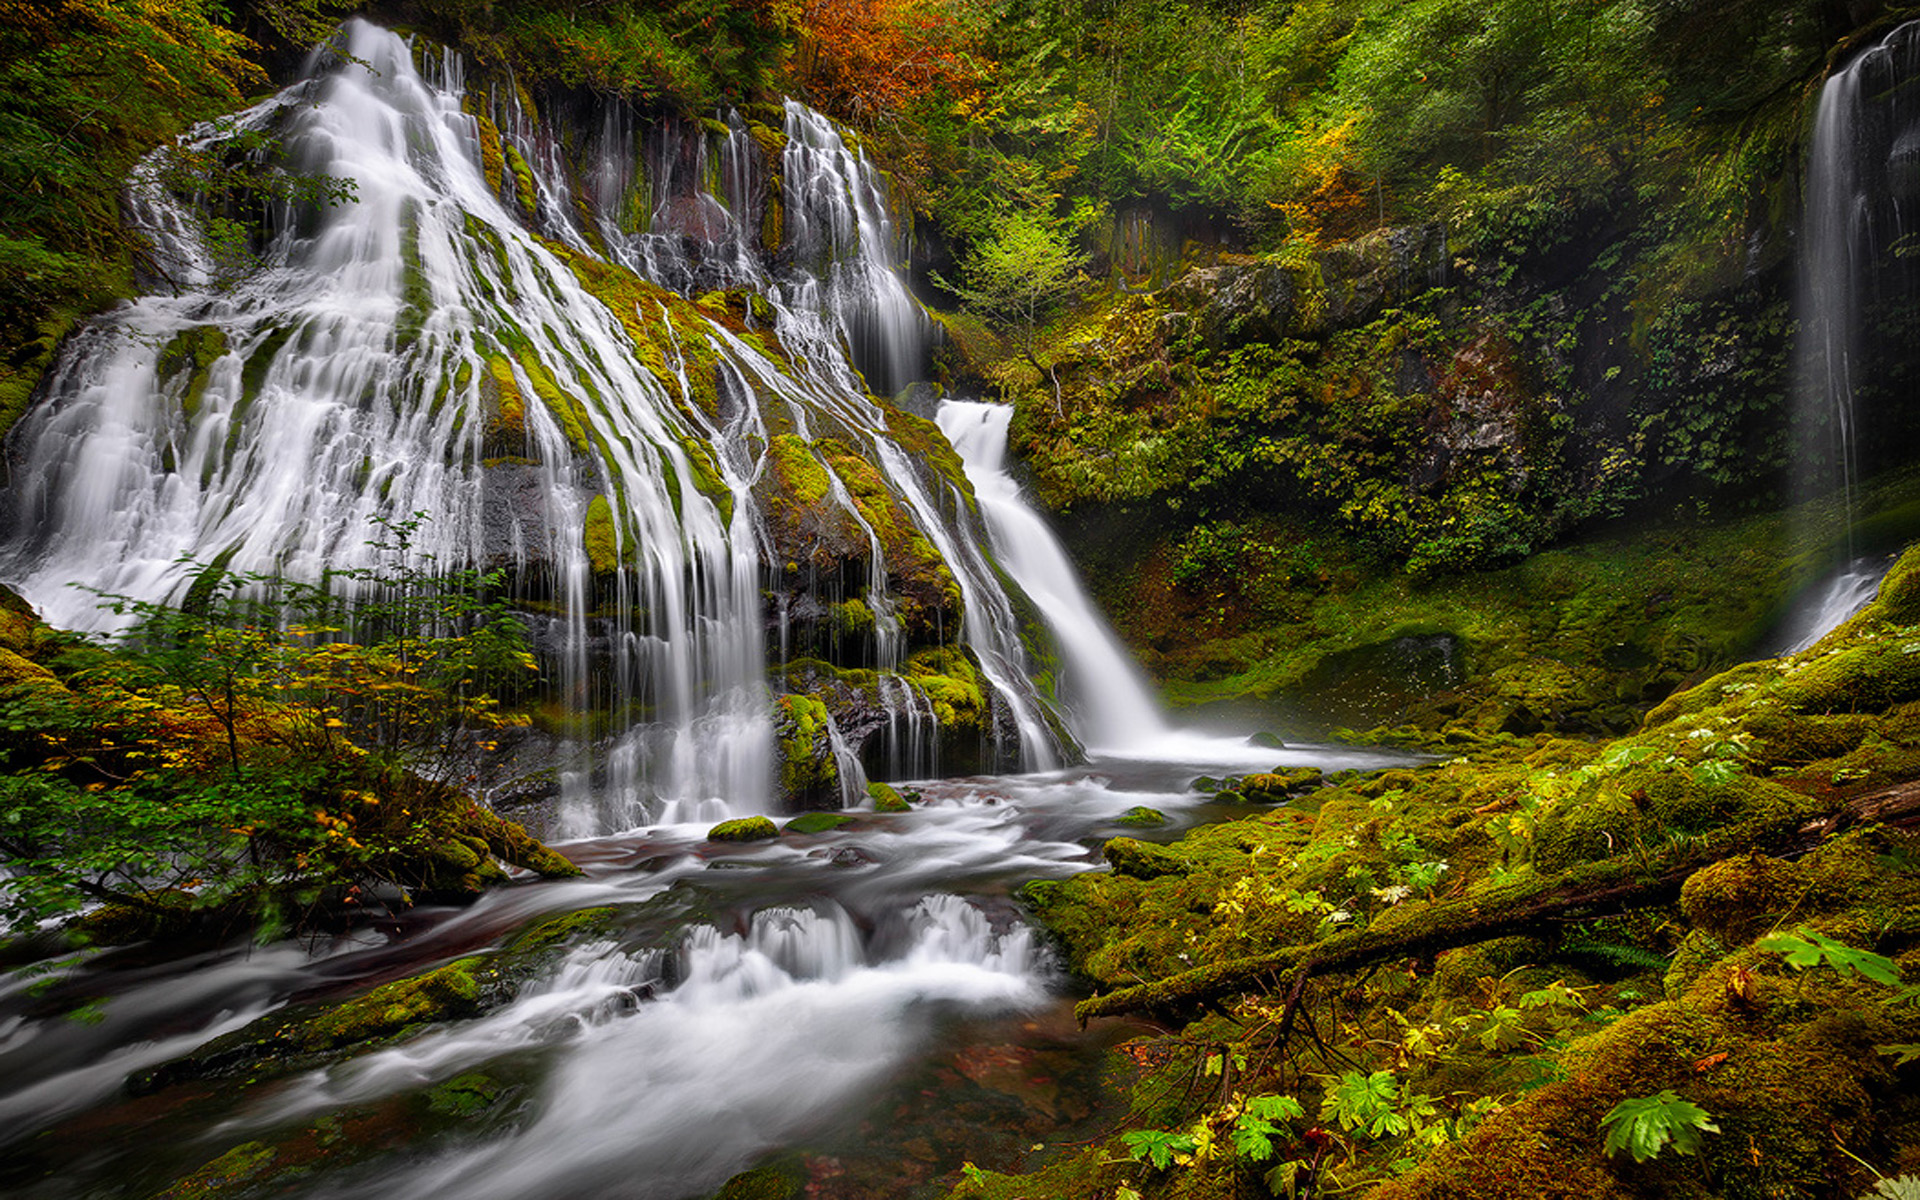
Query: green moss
point(743, 829)
point(449, 993)
point(816, 822)
point(600, 538)
point(809, 772)
point(253, 377)
point(1275, 787)
point(193, 351)
point(561, 930)
point(887, 799)
point(704, 474)
point(465, 1095)
point(511, 843)
point(951, 683)
point(1143, 860)
point(492, 160)
point(20, 372)
point(484, 236)
point(504, 410)
point(1142, 817)
point(802, 480)
point(778, 1181)
point(416, 290)
point(566, 409)
point(929, 595)
point(524, 190)
point(225, 1176)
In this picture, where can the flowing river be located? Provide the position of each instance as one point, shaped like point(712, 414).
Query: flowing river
point(869, 999)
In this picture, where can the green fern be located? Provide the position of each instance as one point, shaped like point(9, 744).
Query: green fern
point(1618, 954)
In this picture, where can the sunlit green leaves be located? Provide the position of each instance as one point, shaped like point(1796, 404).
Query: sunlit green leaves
point(1804, 948)
point(1158, 1147)
point(1646, 1125)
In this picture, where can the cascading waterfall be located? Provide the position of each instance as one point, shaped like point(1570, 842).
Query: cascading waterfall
point(452, 345)
point(1098, 680)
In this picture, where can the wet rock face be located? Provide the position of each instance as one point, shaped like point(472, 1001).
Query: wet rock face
point(1337, 287)
point(1481, 417)
point(1385, 268)
point(1259, 302)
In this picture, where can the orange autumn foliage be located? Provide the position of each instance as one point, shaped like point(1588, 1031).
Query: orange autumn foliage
point(871, 60)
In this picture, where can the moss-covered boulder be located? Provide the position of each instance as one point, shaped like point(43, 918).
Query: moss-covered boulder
point(784, 1180)
point(743, 829)
point(1142, 817)
point(809, 769)
point(816, 822)
point(1142, 860)
point(1277, 787)
point(887, 799)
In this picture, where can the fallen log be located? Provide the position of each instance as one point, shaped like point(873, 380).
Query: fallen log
point(1601, 889)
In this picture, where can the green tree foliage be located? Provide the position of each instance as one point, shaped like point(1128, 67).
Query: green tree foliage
point(86, 87)
point(1018, 273)
point(260, 741)
point(689, 52)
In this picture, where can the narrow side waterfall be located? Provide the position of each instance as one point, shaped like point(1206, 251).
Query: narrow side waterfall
point(1830, 602)
point(1858, 269)
point(1103, 689)
point(579, 367)
point(1859, 280)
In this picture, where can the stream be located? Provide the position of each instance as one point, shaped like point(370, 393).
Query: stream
point(870, 998)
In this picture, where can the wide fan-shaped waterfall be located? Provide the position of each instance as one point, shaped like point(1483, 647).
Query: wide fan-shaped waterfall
point(501, 335)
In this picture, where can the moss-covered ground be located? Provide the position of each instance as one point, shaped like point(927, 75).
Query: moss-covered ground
point(1448, 981)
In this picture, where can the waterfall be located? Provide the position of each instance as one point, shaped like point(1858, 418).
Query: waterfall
point(1857, 264)
point(505, 339)
point(1102, 688)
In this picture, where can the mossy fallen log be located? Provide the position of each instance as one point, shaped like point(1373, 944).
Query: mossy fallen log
point(1600, 889)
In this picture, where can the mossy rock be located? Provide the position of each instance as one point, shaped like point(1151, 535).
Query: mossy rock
point(492, 158)
point(452, 992)
point(1698, 951)
point(465, 1095)
point(743, 829)
point(229, 1174)
point(817, 822)
point(523, 186)
point(1143, 860)
point(809, 769)
point(1457, 974)
point(1142, 817)
point(1276, 787)
point(601, 539)
point(192, 351)
point(887, 799)
point(784, 1180)
point(1860, 677)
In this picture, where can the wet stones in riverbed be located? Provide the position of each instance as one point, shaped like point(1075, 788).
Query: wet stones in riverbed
point(1270, 787)
point(1142, 817)
point(304, 1036)
point(783, 1180)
